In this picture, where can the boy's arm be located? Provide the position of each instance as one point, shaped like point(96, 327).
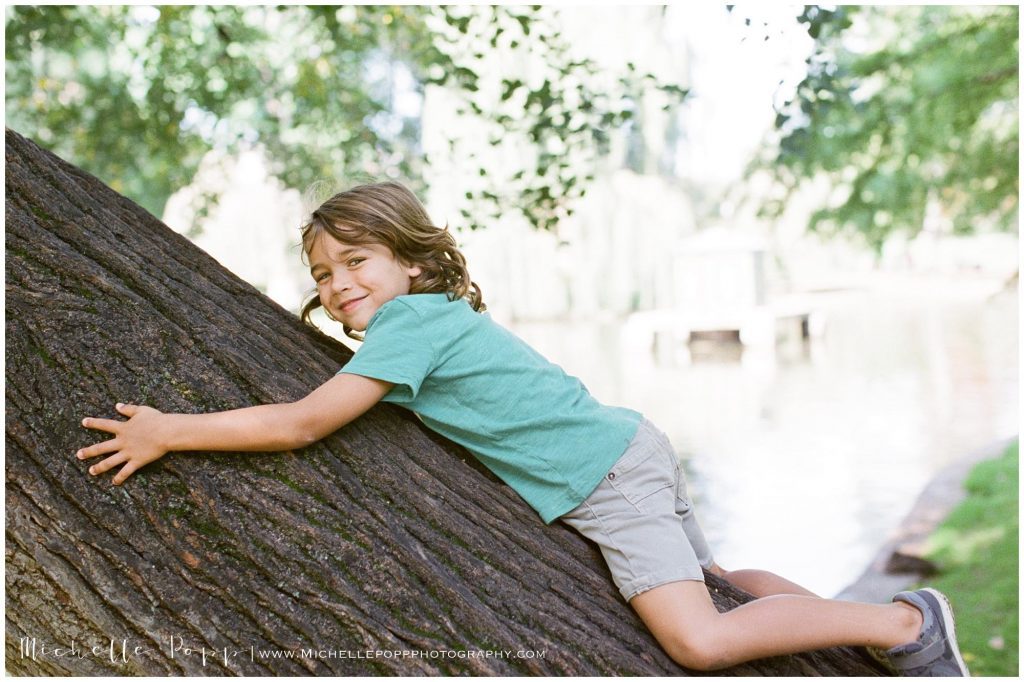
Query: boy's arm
point(149, 434)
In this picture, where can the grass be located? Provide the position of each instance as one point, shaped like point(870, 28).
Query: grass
point(976, 548)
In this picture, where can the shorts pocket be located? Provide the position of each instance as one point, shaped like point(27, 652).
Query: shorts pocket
point(640, 474)
point(683, 501)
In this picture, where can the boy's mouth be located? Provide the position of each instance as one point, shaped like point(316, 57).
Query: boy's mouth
point(351, 304)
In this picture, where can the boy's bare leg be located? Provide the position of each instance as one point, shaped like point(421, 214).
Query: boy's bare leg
point(684, 620)
point(760, 583)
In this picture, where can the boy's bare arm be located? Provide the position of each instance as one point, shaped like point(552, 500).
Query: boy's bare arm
point(149, 434)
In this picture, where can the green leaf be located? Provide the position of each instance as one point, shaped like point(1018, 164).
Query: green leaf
point(909, 123)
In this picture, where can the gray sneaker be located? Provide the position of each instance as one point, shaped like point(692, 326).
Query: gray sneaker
point(935, 653)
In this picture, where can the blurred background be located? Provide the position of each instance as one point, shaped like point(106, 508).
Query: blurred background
point(788, 235)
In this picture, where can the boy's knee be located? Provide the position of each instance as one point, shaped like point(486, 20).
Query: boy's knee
point(683, 618)
point(696, 651)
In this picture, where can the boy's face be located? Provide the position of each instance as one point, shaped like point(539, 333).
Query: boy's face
point(354, 280)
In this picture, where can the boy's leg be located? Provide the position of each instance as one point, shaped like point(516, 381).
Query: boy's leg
point(684, 620)
point(760, 583)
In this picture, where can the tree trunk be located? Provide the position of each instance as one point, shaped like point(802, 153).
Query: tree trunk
point(381, 538)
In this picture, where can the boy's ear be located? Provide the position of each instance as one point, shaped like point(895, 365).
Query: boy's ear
point(414, 270)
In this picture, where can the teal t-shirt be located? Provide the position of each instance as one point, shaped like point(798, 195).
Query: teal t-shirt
point(476, 383)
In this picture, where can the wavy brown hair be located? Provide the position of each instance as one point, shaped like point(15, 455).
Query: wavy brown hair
point(388, 214)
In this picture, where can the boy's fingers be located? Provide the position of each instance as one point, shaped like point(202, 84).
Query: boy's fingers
point(126, 471)
point(126, 409)
point(110, 425)
point(104, 448)
point(108, 463)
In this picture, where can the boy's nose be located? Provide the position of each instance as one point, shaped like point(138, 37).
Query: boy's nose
point(341, 283)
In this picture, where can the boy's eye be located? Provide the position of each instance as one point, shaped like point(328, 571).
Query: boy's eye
point(355, 261)
point(321, 277)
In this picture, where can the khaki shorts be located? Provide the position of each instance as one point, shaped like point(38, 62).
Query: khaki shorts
point(642, 519)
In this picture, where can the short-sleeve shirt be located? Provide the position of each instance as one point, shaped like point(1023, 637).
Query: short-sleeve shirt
point(478, 384)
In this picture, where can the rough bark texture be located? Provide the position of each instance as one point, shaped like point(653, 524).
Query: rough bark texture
point(381, 537)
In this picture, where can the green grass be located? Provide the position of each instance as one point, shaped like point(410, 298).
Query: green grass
point(976, 550)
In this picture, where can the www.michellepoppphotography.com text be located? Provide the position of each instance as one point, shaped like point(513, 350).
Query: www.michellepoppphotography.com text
point(120, 652)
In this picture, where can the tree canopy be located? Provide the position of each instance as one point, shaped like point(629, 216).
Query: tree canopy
point(909, 111)
point(137, 95)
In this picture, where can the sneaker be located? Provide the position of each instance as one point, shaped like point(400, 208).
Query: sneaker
point(935, 653)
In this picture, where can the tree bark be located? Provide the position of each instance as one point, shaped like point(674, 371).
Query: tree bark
point(381, 538)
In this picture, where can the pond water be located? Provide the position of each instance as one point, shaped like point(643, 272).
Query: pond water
point(803, 460)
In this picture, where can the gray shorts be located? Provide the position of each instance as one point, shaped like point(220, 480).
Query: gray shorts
point(642, 519)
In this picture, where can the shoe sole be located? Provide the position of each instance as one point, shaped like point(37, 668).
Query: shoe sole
point(950, 627)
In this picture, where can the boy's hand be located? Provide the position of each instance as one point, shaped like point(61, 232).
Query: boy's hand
point(136, 442)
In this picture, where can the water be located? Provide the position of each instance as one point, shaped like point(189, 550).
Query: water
point(803, 461)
